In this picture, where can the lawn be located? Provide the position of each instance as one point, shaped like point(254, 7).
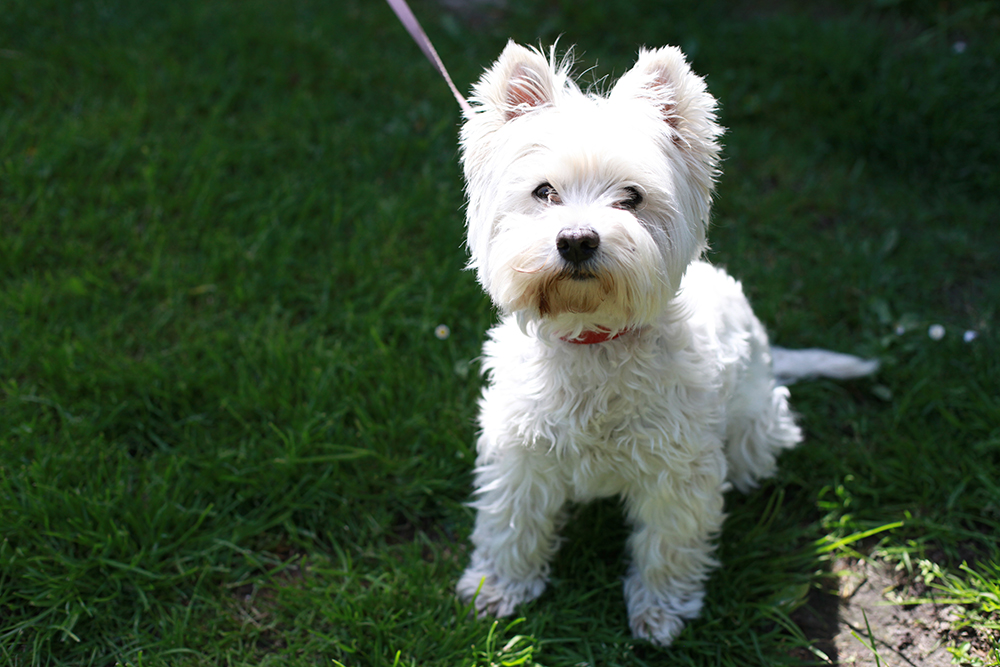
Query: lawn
point(229, 434)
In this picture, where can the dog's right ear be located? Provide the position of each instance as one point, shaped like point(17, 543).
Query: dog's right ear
point(522, 80)
point(663, 78)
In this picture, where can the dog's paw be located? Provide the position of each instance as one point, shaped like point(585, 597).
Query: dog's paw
point(494, 595)
point(659, 618)
point(656, 625)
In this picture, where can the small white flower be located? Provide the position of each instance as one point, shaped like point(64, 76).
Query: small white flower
point(959, 47)
point(970, 336)
point(900, 330)
point(442, 331)
point(935, 331)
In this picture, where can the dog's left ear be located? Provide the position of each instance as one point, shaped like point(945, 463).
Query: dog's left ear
point(663, 78)
point(522, 80)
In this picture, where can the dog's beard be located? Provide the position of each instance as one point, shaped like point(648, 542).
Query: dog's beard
point(564, 290)
point(573, 291)
point(623, 286)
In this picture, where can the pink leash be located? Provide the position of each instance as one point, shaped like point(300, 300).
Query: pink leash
point(412, 26)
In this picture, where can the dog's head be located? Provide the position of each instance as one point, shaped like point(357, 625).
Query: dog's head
point(585, 210)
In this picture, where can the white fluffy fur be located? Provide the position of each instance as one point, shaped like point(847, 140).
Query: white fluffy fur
point(667, 415)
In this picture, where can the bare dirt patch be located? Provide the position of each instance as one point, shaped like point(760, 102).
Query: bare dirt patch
point(865, 610)
point(903, 634)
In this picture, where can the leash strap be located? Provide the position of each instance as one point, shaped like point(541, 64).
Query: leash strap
point(412, 26)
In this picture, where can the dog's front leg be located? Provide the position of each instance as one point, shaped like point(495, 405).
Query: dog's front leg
point(675, 522)
point(519, 503)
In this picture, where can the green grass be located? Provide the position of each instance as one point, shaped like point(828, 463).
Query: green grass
point(229, 435)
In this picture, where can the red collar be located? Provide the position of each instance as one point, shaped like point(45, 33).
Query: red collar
point(592, 337)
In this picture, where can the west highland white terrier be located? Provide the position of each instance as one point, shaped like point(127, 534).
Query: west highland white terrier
point(623, 365)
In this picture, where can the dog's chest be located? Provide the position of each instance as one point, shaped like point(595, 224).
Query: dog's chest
point(599, 408)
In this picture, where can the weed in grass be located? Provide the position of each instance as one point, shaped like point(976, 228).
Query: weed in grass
point(869, 641)
point(518, 650)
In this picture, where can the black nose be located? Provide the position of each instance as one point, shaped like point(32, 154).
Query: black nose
point(577, 245)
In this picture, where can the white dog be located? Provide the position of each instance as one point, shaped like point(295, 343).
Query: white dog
point(623, 365)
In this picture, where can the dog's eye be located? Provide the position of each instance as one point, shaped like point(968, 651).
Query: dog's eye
point(632, 201)
point(547, 193)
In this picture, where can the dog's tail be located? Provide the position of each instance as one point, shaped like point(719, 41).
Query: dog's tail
point(792, 365)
